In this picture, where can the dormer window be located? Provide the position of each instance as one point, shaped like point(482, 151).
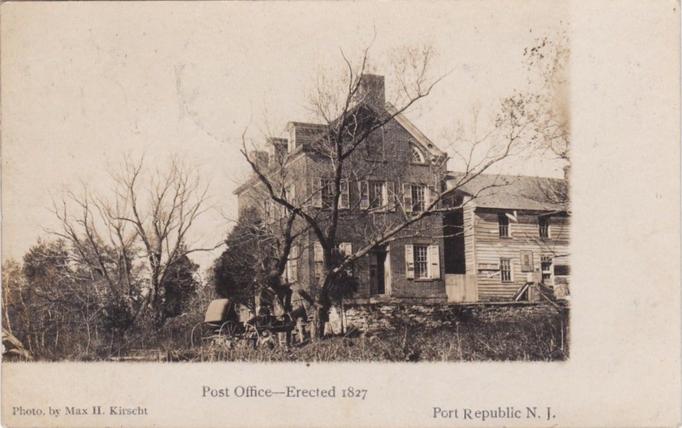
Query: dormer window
point(416, 155)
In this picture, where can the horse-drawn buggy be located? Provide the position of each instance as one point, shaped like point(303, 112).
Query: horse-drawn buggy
point(226, 321)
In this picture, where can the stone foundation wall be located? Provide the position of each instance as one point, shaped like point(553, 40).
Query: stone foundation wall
point(390, 316)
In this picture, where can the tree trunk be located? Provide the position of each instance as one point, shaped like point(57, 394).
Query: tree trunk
point(7, 323)
point(323, 304)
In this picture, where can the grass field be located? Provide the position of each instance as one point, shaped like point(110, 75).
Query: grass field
point(538, 337)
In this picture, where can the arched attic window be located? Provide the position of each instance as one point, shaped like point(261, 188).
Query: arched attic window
point(416, 155)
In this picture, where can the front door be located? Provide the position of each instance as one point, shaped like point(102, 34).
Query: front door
point(380, 272)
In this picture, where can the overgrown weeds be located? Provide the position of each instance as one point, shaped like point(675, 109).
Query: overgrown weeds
point(521, 338)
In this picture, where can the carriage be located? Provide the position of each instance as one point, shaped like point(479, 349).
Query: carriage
point(226, 321)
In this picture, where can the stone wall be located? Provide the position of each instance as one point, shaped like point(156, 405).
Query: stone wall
point(390, 316)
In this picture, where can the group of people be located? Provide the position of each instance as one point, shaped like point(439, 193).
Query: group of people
point(278, 303)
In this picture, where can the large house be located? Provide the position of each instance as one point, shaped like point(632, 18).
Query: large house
point(510, 230)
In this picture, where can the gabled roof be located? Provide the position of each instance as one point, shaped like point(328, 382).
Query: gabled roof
point(420, 138)
point(389, 110)
point(516, 192)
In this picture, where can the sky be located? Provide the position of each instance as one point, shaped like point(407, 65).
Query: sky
point(85, 83)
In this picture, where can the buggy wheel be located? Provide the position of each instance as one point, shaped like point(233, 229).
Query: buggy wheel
point(229, 329)
point(196, 335)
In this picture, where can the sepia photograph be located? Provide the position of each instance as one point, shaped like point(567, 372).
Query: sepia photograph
point(311, 213)
point(350, 218)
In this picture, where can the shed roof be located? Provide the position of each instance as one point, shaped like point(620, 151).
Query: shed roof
point(517, 192)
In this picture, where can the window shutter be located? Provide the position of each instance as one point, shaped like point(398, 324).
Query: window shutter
point(293, 264)
point(384, 196)
point(436, 189)
point(434, 261)
point(344, 200)
point(287, 269)
point(318, 254)
point(409, 261)
point(364, 194)
point(430, 195)
point(294, 271)
point(407, 197)
point(389, 201)
point(317, 194)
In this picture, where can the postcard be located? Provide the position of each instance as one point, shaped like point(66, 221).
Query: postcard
point(303, 214)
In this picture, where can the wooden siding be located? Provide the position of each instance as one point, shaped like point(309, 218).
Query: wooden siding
point(460, 288)
point(489, 248)
point(469, 239)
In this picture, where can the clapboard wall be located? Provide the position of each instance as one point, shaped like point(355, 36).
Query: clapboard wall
point(485, 248)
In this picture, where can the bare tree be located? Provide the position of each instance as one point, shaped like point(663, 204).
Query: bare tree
point(547, 62)
point(132, 238)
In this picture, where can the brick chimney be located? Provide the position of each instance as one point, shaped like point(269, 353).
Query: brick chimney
point(277, 148)
point(372, 90)
point(301, 134)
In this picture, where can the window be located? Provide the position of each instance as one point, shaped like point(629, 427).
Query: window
point(324, 197)
point(562, 270)
point(505, 270)
point(546, 268)
point(416, 155)
point(327, 193)
point(363, 190)
point(344, 199)
point(543, 223)
point(503, 222)
point(418, 197)
point(376, 194)
point(345, 249)
point(421, 261)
